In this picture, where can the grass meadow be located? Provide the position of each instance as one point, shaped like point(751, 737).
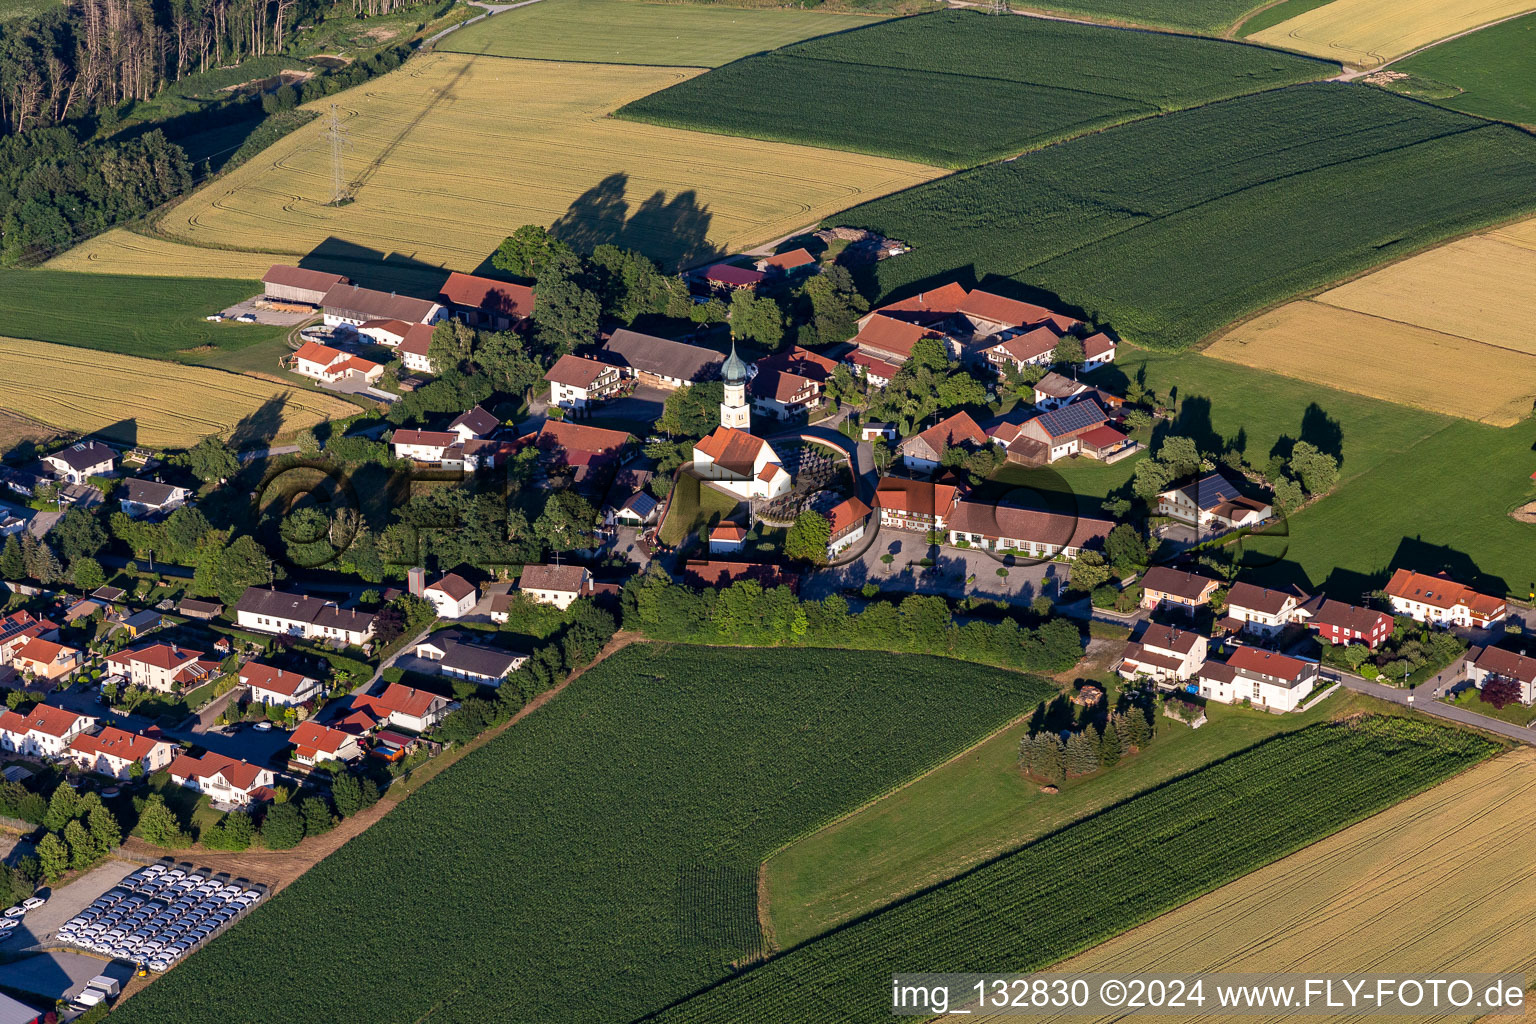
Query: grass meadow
point(1170, 228)
point(598, 860)
point(1490, 73)
point(1211, 17)
point(974, 88)
point(1367, 33)
point(638, 32)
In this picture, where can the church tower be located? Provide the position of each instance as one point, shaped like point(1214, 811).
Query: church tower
point(734, 411)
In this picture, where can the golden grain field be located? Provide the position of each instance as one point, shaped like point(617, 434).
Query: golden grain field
point(121, 251)
point(1367, 33)
point(150, 401)
point(1445, 881)
point(452, 152)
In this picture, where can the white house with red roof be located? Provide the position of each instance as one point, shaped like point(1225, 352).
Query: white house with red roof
point(1019, 349)
point(314, 743)
point(740, 463)
point(1441, 601)
point(453, 596)
point(788, 384)
point(914, 504)
point(413, 349)
point(1163, 654)
point(45, 731)
point(114, 752)
point(163, 667)
point(925, 452)
point(422, 445)
point(727, 538)
point(1262, 611)
point(406, 708)
point(578, 382)
point(1098, 350)
point(269, 685)
point(45, 659)
point(1269, 680)
point(328, 365)
point(847, 520)
point(1032, 532)
point(389, 333)
point(228, 782)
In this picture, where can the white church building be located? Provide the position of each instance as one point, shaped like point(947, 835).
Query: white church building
point(731, 456)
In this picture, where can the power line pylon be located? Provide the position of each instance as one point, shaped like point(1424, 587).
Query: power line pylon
point(339, 144)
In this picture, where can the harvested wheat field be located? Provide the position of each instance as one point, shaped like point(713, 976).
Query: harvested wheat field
point(149, 401)
point(1367, 33)
point(1522, 233)
point(1440, 882)
point(121, 251)
point(452, 152)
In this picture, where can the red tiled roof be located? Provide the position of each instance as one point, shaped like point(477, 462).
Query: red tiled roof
point(314, 352)
point(241, 774)
point(1262, 599)
point(1268, 663)
point(564, 579)
point(734, 532)
point(417, 340)
point(1348, 616)
point(362, 366)
point(266, 677)
point(1187, 585)
point(1098, 344)
point(883, 368)
point(846, 513)
point(1167, 638)
point(42, 652)
point(115, 742)
point(1440, 592)
point(918, 497)
point(407, 701)
point(577, 371)
point(1507, 664)
point(430, 438)
point(44, 718)
point(466, 290)
point(161, 656)
point(313, 738)
point(789, 260)
point(725, 273)
point(884, 334)
point(722, 574)
point(954, 430)
point(386, 326)
point(576, 437)
point(944, 299)
point(455, 586)
point(735, 450)
point(1006, 521)
point(1002, 310)
point(1029, 345)
point(1101, 436)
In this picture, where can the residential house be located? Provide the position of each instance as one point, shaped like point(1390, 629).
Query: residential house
point(1050, 436)
point(80, 461)
point(166, 668)
point(659, 361)
point(294, 284)
point(485, 304)
point(1269, 680)
point(19, 628)
point(151, 497)
point(45, 731)
point(1054, 391)
point(275, 686)
point(430, 447)
point(347, 305)
point(559, 585)
point(114, 752)
point(1017, 350)
point(847, 518)
point(453, 596)
point(415, 349)
point(576, 383)
point(389, 333)
point(792, 262)
point(914, 504)
point(45, 659)
point(474, 425)
point(1336, 622)
point(1212, 504)
point(314, 743)
point(267, 610)
point(720, 574)
point(412, 709)
point(1098, 350)
point(740, 463)
point(475, 662)
point(578, 446)
point(877, 371)
point(328, 365)
point(1441, 601)
point(924, 452)
point(1162, 586)
point(1025, 531)
point(1495, 663)
point(1163, 654)
point(226, 781)
point(10, 523)
point(1259, 610)
point(789, 384)
point(637, 510)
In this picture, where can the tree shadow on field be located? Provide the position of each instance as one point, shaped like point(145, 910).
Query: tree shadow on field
point(370, 268)
point(674, 232)
point(262, 425)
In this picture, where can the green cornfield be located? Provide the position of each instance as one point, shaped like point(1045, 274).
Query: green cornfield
point(1174, 226)
point(957, 88)
point(1103, 875)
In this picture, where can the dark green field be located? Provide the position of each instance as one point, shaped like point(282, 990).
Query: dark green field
point(1103, 875)
point(1209, 16)
point(958, 88)
point(1491, 73)
point(1172, 227)
point(137, 316)
point(1272, 16)
point(597, 861)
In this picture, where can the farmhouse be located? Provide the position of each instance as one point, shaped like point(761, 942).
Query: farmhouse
point(426, 446)
point(1441, 601)
point(268, 610)
point(278, 687)
point(890, 339)
point(876, 371)
point(1028, 348)
point(314, 743)
point(45, 659)
point(1052, 435)
point(45, 731)
point(558, 585)
point(389, 333)
point(80, 461)
point(1098, 350)
point(115, 751)
point(925, 452)
point(989, 313)
point(1026, 531)
point(486, 304)
point(1161, 585)
point(166, 668)
point(789, 384)
point(1260, 610)
point(1336, 622)
point(578, 382)
point(226, 781)
point(293, 284)
point(1495, 663)
point(914, 504)
point(1212, 503)
point(847, 519)
point(1163, 654)
point(453, 596)
point(151, 497)
point(1273, 681)
point(1054, 391)
point(658, 361)
point(414, 347)
point(742, 464)
point(347, 305)
point(328, 365)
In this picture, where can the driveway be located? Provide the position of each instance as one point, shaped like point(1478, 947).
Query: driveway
point(1430, 706)
point(246, 743)
point(55, 976)
point(258, 308)
point(947, 577)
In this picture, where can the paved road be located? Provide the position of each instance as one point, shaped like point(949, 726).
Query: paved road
point(1433, 707)
point(267, 453)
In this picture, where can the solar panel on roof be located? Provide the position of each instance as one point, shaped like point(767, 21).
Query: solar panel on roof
point(1077, 416)
point(1213, 490)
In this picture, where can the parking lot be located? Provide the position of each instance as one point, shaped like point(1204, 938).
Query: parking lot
point(255, 307)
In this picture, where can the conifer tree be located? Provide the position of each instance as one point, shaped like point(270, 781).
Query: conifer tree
point(1109, 744)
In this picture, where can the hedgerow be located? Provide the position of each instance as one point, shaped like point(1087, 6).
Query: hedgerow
point(1105, 874)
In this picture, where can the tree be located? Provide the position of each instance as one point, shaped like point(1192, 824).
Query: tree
point(527, 250)
point(808, 539)
point(12, 565)
point(62, 808)
point(1126, 549)
point(567, 314)
point(1082, 753)
point(1068, 352)
point(53, 857)
point(283, 827)
point(568, 522)
point(82, 849)
point(158, 825)
point(105, 831)
point(1180, 454)
point(1089, 571)
point(1317, 470)
point(78, 534)
point(1499, 691)
point(87, 574)
point(307, 443)
point(346, 793)
point(317, 816)
point(452, 344)
point(504, 360)
point(1110, 750)
point(1288, 496)
point(210, 459)
point(836, 307)
point(693, 411)
point(227, 570)
point(1151, 479)
point(756, 318)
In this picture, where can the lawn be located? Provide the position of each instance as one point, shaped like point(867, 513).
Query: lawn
point(597, 861)
point(693, 505)
point(1102, 875)
point(138, 316)
point(636, 32)
point(1372, 32)
point(1171, 227)
point(1209, 16)
point(1515, 714)
point(1271, 16)
point(978, 806)
point(973, 87)
point(1491, 73)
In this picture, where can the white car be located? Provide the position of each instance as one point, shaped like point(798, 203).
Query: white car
point(246, 318)
point(34, 902)
point(15, 911)
point(263, 726)
point(8, 923)
point(213, 318)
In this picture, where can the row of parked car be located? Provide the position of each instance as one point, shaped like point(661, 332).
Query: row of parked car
point(11, 920)
point(157, 915)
